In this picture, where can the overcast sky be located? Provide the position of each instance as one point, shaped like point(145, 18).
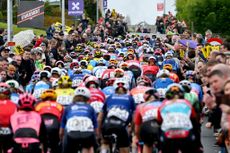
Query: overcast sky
point(140, 10)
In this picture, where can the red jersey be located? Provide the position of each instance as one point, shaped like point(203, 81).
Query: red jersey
point(7, 108)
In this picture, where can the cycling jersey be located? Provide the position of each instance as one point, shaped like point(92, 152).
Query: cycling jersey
point(29, 131)
point(119, 106)
point(193, 99)
point(162, 83)
point(39, 88)
point(50, 107)
point(138, 94)
point(97, 99)
point(109, 90)
point(7, 108)
point(65, 96)
point(79, 117)
point(146, 112)
point(176, 118)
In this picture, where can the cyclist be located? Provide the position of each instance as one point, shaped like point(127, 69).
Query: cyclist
point(14, 89)
point(79, 124)
point(179, 123)
point(28, 128)
point(64, 91)
point(43, 84)
point(7, 108)
point(51, 113)
point(116, 115)
point(146, 127)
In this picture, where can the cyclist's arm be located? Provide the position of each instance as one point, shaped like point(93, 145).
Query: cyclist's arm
point(63, 123)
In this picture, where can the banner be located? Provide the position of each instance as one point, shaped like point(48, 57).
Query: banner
point(30, 14)
point(160, 7)
point(105, 4)
point(75, 7)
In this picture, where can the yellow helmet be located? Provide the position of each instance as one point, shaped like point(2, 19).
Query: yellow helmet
point(168, 67)
point(49, 94)
point(65, 80)
point(113, 61)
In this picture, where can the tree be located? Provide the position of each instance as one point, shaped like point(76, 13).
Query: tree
point(205, 14)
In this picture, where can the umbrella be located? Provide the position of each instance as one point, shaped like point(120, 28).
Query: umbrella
point(23, 38)
point(192, 44)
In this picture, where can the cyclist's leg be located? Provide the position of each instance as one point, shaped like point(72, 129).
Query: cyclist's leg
point(124, 150)
point(169, 146)
point(88, 150)
point(148, 149)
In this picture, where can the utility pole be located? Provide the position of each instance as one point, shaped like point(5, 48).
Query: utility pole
point(164, 7)
point(9, 20)
point(63, 15)
point(97, 11)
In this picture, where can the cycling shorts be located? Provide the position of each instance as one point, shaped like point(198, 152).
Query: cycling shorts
point(31, 148)
point(117, 127)
point(149, 132)
point(77, 140)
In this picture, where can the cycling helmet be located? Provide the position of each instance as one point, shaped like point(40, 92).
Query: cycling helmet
point(119, 72)
point(101, 62)
point(98, 53)
point(83, 63)
point(92, 80)
point(4, 88)
point(124, 65)
point(189, 74)
point(50, 93)
point(168, 67)
point(45, 74)
point(13, 84)
point(168, 54)
point(163, 73)
point(56, 70)
point(144, 79)
point(74, 64)
point(121, 82)
point(152, 57)
point(152, 92)
point(59, 62)
point(73, 54)
point(65, 80)
point(186, 85)
point(26, 101)
point(47, 68)
point(174, 89)
point(82, 91)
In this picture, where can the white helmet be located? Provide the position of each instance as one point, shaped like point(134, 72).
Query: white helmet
point(163, 72)
point(13, 84)
point(56, 70)
point(122, 81)
point(82, 91)
point(44, 73)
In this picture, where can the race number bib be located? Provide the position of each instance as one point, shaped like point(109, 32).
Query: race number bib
point(119, 113)
point(5, 131)
point(37, 93)
point(77, 82)
point(138, 98)
point(176, 121)
point(82, 124)
point(97, 106)
point(64, 99)
point(150, 115)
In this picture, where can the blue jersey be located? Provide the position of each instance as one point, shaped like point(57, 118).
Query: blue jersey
point(39, 87)
point(109, 90)
point(119, 106)
point(79, 117)
point(162, 83)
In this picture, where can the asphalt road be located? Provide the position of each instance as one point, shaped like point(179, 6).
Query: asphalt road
point(208, 140)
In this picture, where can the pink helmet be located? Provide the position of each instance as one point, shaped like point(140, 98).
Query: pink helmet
point(26, 100)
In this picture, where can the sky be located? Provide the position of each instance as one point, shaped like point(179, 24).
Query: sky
point(140, 10)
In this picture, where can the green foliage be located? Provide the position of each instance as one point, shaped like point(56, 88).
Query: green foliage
point(205, 14)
